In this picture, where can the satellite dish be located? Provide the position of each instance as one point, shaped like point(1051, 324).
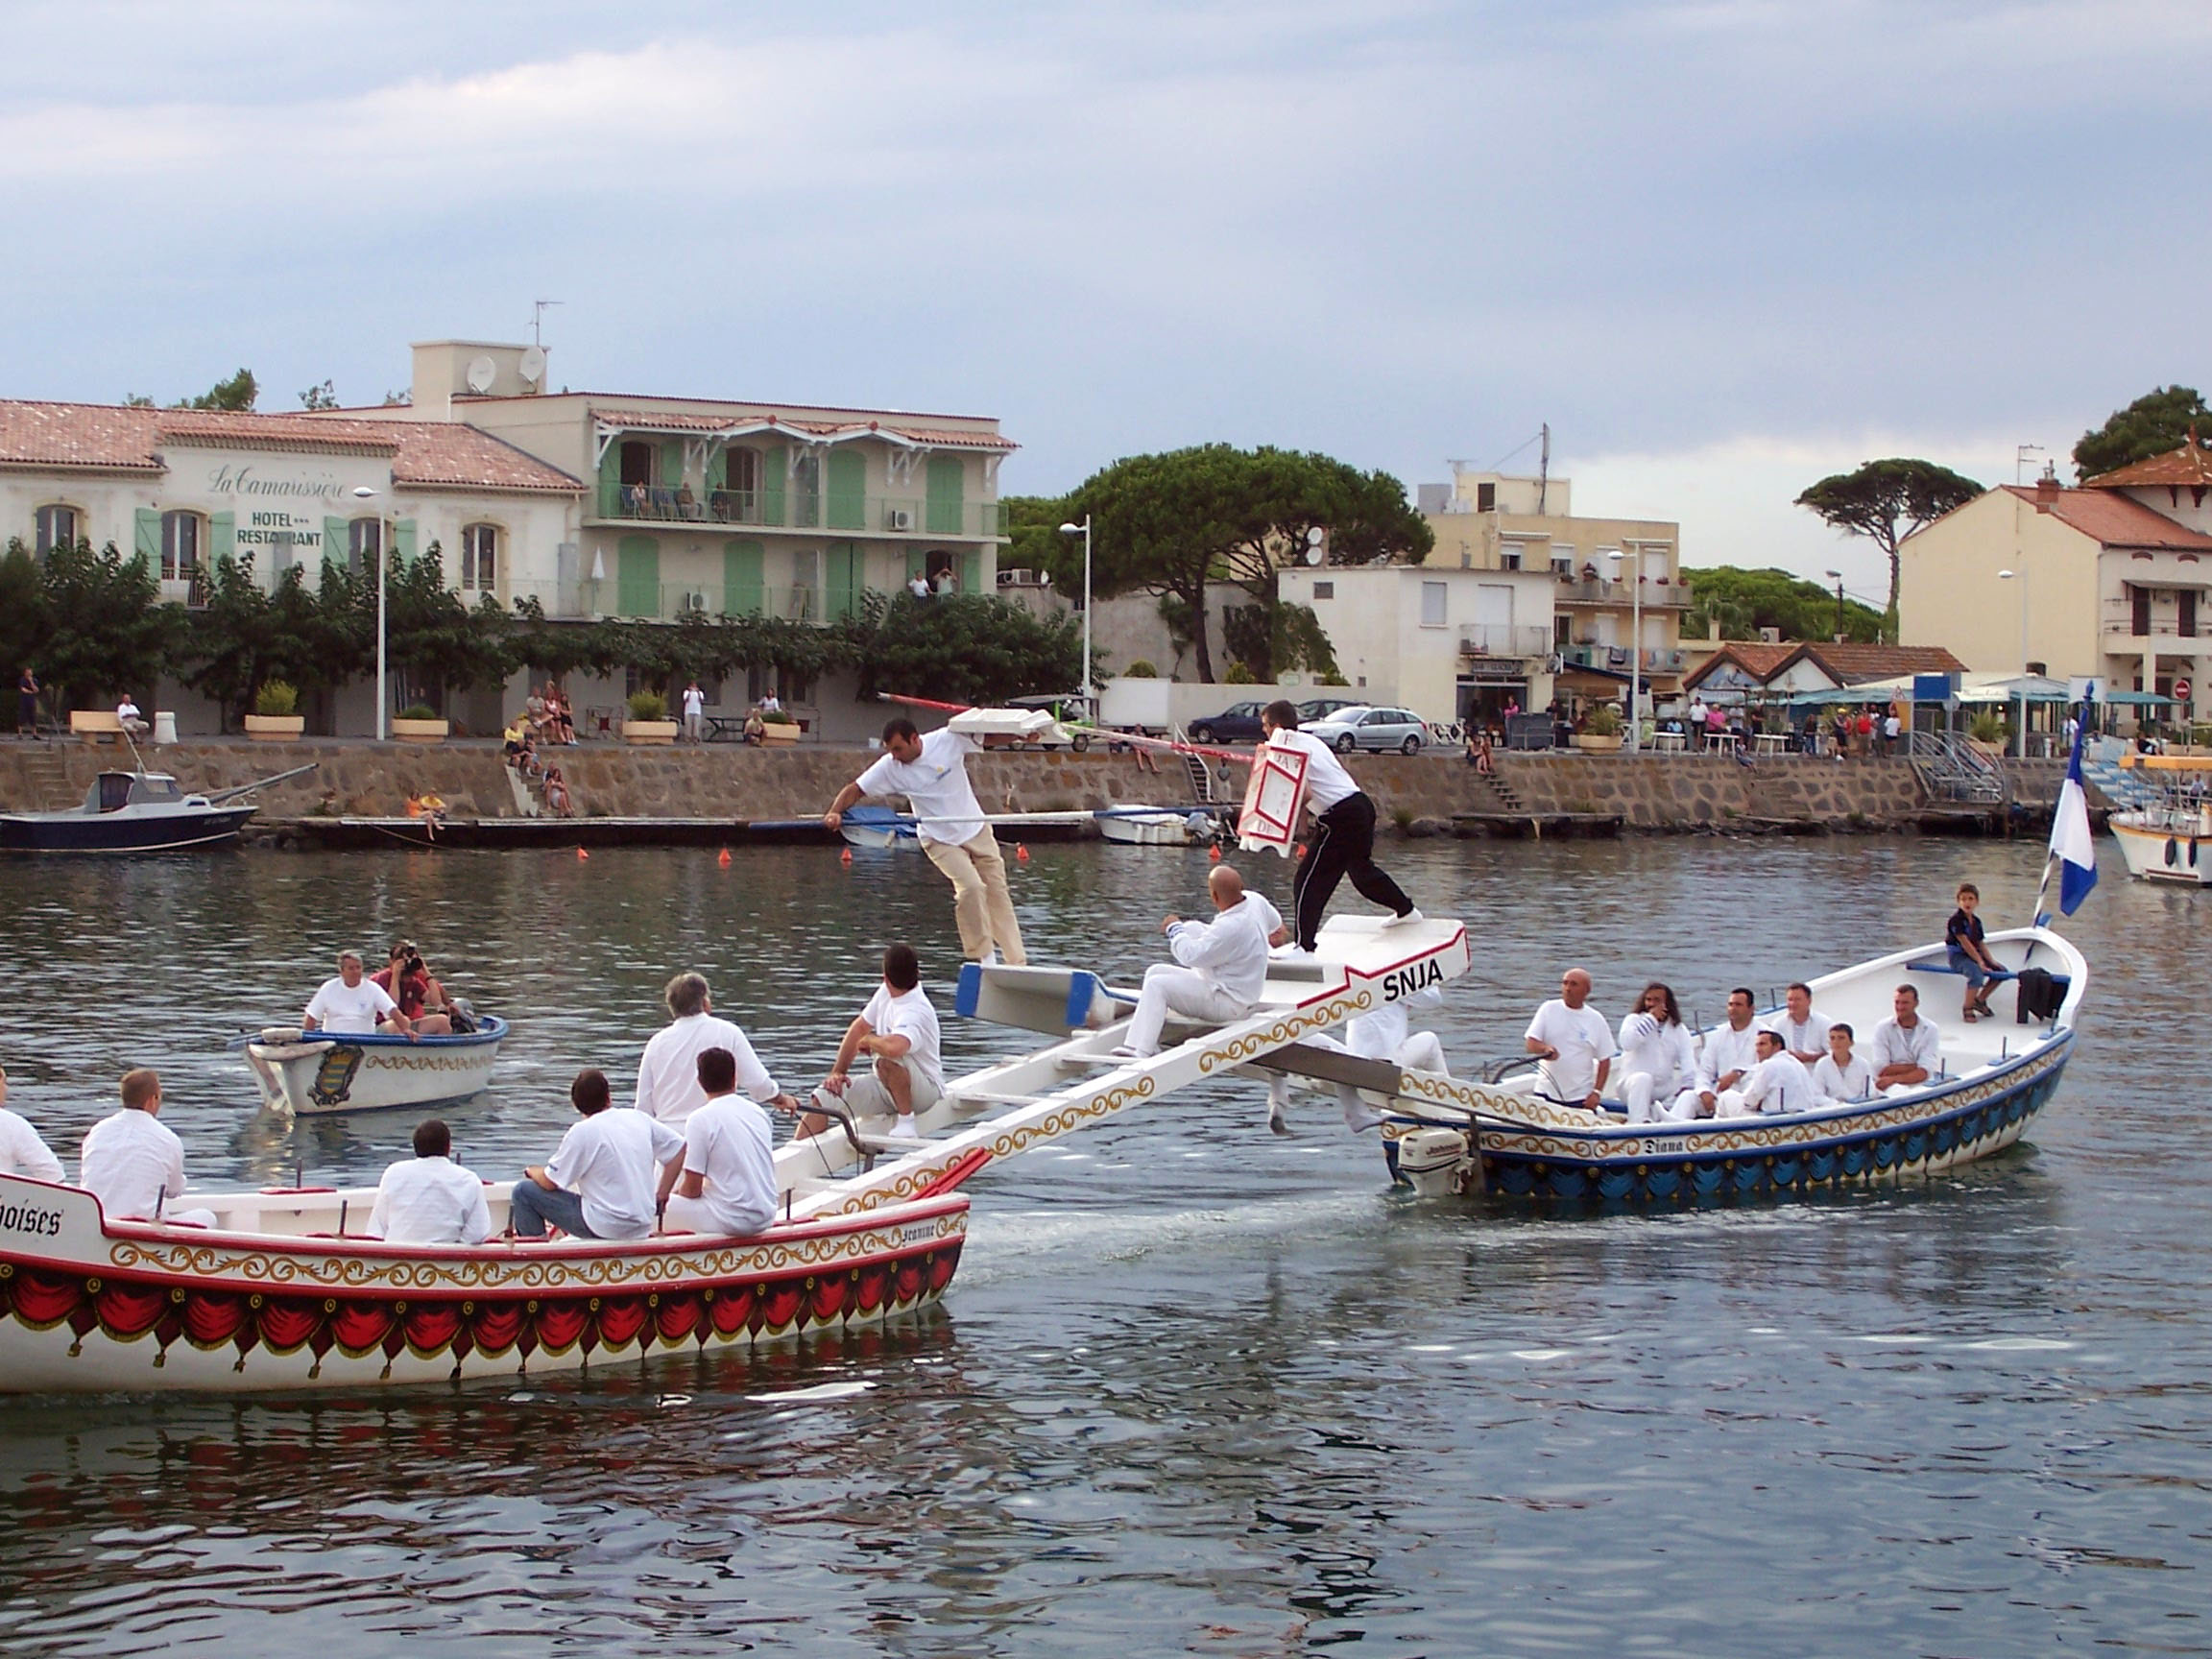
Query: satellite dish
point(533, 364)
point(1315, 535)
point(481, 370)
point(1315, 554)
point(1317, 544)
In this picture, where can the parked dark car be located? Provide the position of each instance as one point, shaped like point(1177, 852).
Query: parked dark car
point(1321, 708)
point(1238, 722)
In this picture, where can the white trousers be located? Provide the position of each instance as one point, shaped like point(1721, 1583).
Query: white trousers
point(1184, 991)
point(1639, 1092)
point(1682, 1108)
point(692, 1216)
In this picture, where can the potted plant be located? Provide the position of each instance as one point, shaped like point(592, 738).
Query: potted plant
point(778, 727)
point(1988, 731)
point(648, 721)
point(275, 716)
point(1600, 733)
point(418, 723)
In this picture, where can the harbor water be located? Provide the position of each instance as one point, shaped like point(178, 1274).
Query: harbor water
point(1196, 1388)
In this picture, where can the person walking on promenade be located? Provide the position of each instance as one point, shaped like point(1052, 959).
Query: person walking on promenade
point(26, 703)
point(694, 712)
point(932, 773)
point(1343, 842)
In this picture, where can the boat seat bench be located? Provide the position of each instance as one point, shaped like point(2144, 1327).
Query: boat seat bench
point(2064, 982)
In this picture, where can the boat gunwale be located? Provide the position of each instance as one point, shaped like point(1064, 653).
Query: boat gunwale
point(378, 1040)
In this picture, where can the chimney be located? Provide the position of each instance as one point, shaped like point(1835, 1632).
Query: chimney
point(2047, 489)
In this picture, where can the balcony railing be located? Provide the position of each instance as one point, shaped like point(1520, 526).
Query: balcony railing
point(1504, 640)
point(1602, 591)
point(793, 508)
point(1615, 659)
point(2161, 623)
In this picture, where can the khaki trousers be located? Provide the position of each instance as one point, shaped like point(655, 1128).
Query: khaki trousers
point(981, 902)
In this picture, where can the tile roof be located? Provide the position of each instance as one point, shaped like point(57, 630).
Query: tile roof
point(2112, 519)
point(1755, 657)
point(684, 421)
point(110, 438)
point(1852, 665)
point(2191, 465)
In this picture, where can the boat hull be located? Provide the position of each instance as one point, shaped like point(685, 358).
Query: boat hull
point(114, 834)
point(373, 1073)
point(2174, 856)
point(91, 1306)
point(1162, 829)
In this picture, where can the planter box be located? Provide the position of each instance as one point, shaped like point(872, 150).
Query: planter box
point(421, 731)
point(1597, 745)
point(774, 732)
point(649, 731)
point(276, 727)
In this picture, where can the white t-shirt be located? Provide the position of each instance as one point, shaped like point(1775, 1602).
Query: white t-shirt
point(731, 1146)
point(128, 711)
point(668, 1072)
point(694, 701)
point(430, 1201)
point(1582, 1037)
point(1852, 1082)
point(1659, 1051)
point(1891, 1044)
point(608, 1161)
point(22, 1152)
point(908, 1014)
point(936, 781)
point(1809, 1036)
point(1231, 948)
point(349, 1010)
point(1728, 1049)
point(129, 1161)
point(1779, 1084)
point(1327, 782)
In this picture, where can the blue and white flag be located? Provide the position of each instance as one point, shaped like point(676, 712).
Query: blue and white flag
point(2072, 845)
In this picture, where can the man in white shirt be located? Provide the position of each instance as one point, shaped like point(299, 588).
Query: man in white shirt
point(1905, 1050)
point(919, 587)
point(22, 1152)
point(1696, 724)
point(897, 1030)
point(668, 1071)
point(1841, 1076)
point(1223, 964)
point(127, 716)
point(1573, 1045)
point(1726, 1060)
point(694, 712)
point(932, 773)
point(600, 1183)
point(350, 1005)
point(725, 1183)
point(1657, 1058)
point(429, 1198)
point(1343, 839)
point(134, 1165)
point(1802, 1028)
point(1777, 1083)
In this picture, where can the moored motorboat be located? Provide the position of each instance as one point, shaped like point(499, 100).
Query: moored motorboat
point(1447, 1134)
point(2168, 837)
point(135, 813)
point(313, 1072)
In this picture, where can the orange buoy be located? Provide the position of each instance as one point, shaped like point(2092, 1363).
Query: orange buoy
point(1301, 848)
point(845, 856)
point(581, 853)
point(723, 861)
point(1214, 854)
point(1021, 853)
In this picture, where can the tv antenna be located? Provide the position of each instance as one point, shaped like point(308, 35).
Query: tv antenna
point(538, 319)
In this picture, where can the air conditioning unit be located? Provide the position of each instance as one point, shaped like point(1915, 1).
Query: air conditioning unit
point(1018, 578)
point(897, 518)
point(695, 601)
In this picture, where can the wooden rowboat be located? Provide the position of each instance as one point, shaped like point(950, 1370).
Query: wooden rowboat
point(312, 1073)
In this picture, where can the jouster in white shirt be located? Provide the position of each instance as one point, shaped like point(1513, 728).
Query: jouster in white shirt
point(1727, 1050)
point(731, 1146)
point(1891, 1044)
point(908, 1014)
point(349, 1010)
point(1806, 1036)
point(430, 1201)
point(1327, 782)
point(22, 1152)
point(1661, 1051)
point(1779, 1083)
point(1854, 1081)
point(608, 1161)
point(668, 1071)
point(134, 1164)
point(1231, 950)
point(936, 782)
point(1582, 1037)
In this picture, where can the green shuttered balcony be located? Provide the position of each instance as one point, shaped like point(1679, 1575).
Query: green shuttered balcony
point(792, 509)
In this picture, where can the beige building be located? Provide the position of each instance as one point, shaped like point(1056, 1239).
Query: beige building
point(2108, 581)
point(1617, 582)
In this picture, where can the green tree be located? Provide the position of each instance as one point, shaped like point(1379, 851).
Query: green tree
point(1031, 525)
point(1273, 640)
point(1886, 501)
point(2156, 424)
point(1745, 601)
point(960, 648)
point(23, 613)
point(236, 394)
point(107, 631)
point(322, 397)
point(228, 640)
point(436, 641)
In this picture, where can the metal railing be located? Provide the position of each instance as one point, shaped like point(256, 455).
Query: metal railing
point(1504, 640)
point(1950, 768)
point(1604, 590)
point(796, 509)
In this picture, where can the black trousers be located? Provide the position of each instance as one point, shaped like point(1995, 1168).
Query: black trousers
point(1343, 844)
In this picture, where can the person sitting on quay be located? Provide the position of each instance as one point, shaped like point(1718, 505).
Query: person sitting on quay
point(1223, 964)
point(1573, 1045)
point(1383, 1033)
point(599, 1183)
point(1840, 1075)
point(134, 1164)
point(127, 716)
point(429, 1199)
point(1905, 1050)
point(558, 800)
point(725, 1182)
point(421, 998)
point(1726, 1059)
point(897, 1030)
point(668, 1087)
point(1968, 953)
point(534, 717)
point(560, 722)
point(350, 1005)
point(1802, 1027)
point(23, 1151)
point(1776, 1083)
point(1658, 1060)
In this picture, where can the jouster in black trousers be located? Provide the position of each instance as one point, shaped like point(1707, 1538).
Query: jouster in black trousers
point(1343, 844)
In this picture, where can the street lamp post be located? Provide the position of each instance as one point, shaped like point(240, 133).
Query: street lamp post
point(1837, 577)
point(1635, 643)
point(362, 492)
point(1084, 530)
point(2022, 576)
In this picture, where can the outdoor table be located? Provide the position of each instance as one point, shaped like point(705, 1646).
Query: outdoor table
point(1669, 743)
point(1775, 742)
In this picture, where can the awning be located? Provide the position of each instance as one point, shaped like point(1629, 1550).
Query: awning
point(2135, 699)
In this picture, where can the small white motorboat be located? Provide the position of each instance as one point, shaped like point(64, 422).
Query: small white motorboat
point(2169, 837)
point(307, 1073)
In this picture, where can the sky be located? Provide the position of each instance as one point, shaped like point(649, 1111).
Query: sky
point(1722, 248)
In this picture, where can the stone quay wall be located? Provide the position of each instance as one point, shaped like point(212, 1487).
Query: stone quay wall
point(1427, 794)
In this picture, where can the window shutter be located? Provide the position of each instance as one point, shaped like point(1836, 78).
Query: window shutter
point(773, 470)
point(337, 545)
point(403, 541)
point(146, 539)
point(610, 481)
point(948, 476)
point(971, 572)
point(742, 592)
point(841, 583)
point(848, 489)
point(637, 577)
point(221, 537)
point(672, 463)
point(917, 562)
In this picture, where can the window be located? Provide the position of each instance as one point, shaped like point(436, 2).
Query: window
point(364, 545)
point(1485, 498)
point(2186, 621)
point(179, 546)
point(1433, 598)
point(637, 463)
point(480, 557)
point(1324, 590)
point(1510, 559)
point(57, 527)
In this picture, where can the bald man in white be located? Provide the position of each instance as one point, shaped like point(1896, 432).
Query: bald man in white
point(1573, 1043)
point(1223, 964)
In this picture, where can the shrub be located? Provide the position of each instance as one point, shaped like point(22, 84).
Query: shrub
point(275, 699)
point(1331, 678)
point(779, 717)
point(648, 706)
point(1237, 675)
point(1988, 726)
point(1140, 670)
point(418, 712)
point(1604, 721)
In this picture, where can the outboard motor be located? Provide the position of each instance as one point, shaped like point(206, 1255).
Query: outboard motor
point(1431, 1160)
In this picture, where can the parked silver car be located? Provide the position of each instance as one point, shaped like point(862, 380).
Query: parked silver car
point(1362, 727)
